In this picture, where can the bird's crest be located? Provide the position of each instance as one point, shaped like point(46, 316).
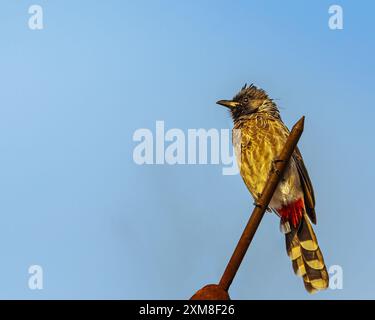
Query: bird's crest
point(252, 92)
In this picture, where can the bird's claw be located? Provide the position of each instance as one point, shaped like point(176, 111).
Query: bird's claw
point(257, 204)
point(274, 168)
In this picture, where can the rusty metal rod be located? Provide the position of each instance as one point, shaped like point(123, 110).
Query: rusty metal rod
point(262, 204)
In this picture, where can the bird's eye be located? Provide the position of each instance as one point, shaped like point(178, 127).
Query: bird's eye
point(245, 100)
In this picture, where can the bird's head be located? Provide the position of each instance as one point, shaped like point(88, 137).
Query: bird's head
point(248, 101)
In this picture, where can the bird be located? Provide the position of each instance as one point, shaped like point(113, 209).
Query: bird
point(258, 137)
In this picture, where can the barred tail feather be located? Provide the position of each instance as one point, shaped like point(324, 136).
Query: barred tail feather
point(307, 259)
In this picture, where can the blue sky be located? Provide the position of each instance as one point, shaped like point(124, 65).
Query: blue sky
point(74, 202)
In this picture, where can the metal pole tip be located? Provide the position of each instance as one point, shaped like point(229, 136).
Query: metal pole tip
point(300, 124)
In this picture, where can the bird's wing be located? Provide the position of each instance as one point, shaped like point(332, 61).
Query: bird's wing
point(306, 185)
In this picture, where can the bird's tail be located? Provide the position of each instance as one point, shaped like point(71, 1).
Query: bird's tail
point(307, 259)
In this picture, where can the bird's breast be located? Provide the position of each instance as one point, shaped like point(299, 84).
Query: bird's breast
point(257, 143)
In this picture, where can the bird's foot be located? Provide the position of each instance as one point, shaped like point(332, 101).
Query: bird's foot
point(256, 201)
point(274, 168)
point(257, 204)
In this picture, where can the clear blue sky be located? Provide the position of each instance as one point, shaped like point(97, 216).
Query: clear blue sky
point(72, 95)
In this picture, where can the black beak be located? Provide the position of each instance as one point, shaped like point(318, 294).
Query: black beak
point(228, 103)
